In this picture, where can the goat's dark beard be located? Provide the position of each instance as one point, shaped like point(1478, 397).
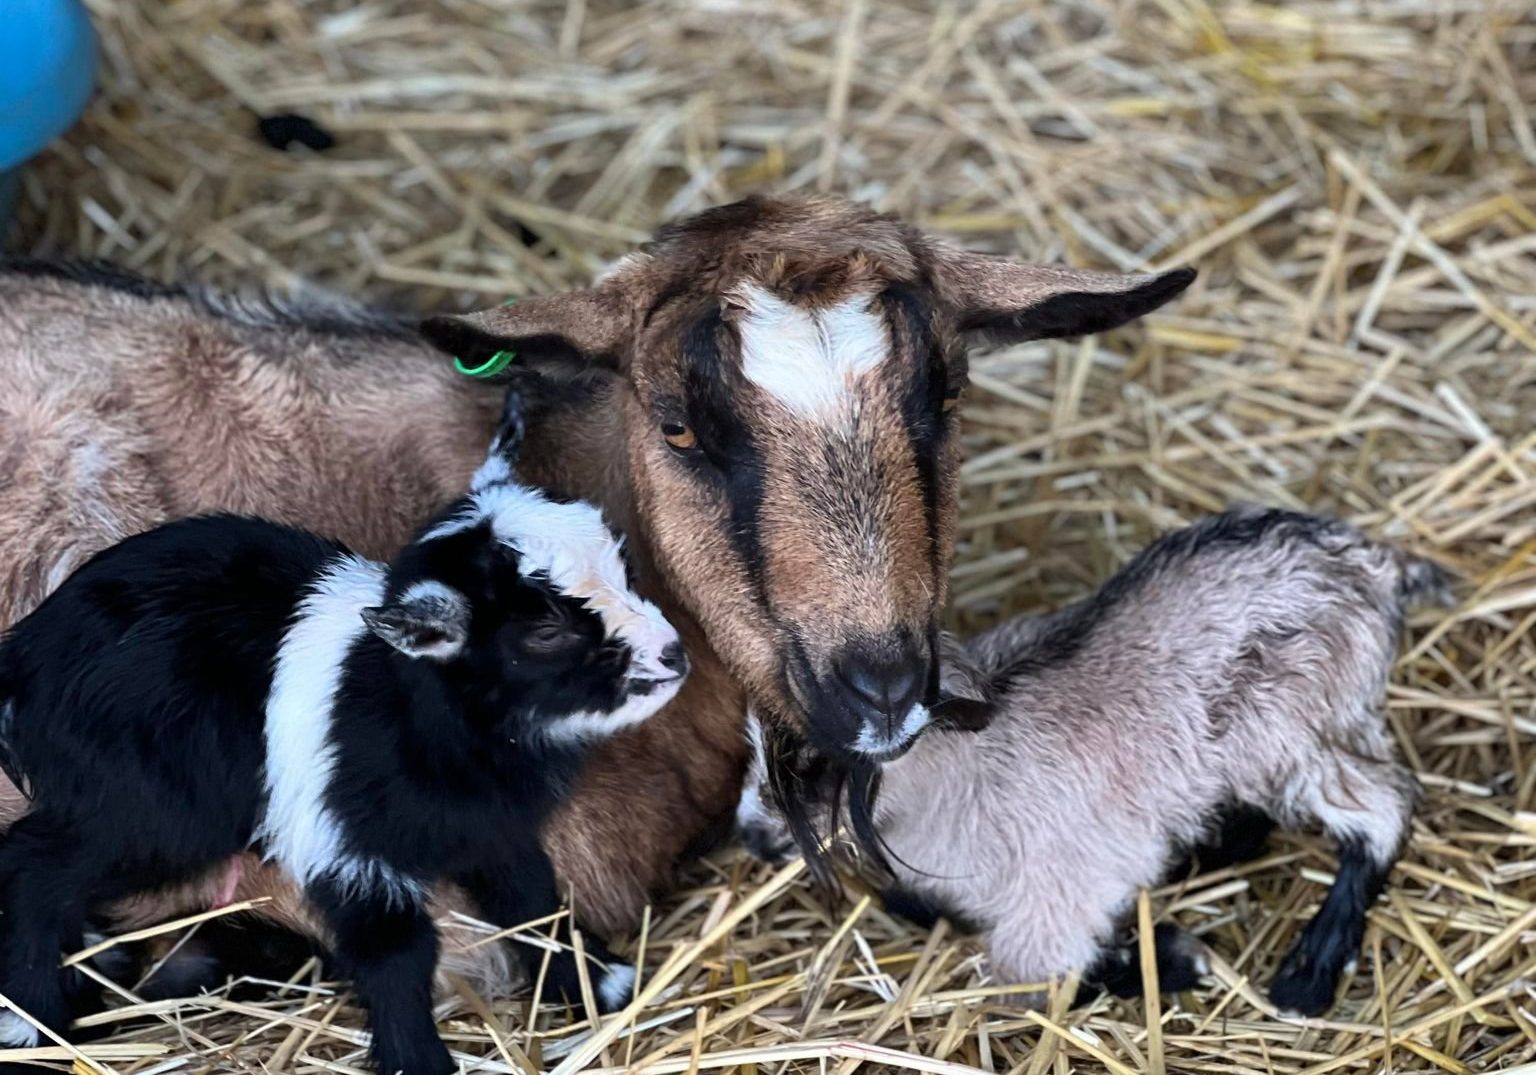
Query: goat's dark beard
point(794, 776)
point(799, 777)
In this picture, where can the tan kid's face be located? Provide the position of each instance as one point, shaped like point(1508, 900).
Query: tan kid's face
point(794, 369)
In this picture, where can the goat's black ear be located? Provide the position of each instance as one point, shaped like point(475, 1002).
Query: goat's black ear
point(430, 621)
point(965, 692)
point(1011, 301)
point(593, 326)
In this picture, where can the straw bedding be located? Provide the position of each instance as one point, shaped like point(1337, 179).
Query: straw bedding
point(1357, 184)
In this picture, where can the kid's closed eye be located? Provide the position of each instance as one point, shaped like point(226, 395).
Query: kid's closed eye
point(551, 637)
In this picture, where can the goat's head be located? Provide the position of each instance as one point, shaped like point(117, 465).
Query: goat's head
point(529, 600)
point(791, 373)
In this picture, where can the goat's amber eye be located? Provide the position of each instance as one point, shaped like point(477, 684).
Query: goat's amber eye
point(679, 435)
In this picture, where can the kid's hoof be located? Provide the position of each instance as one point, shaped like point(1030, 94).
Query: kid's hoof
point(17, 1033)
point(767, 844)
point(1182, 960)
point(613, 983)
point(616, 988)
point(1300, 988)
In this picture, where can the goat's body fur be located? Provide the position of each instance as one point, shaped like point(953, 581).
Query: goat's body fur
point(1241, 661)
point(222, 683)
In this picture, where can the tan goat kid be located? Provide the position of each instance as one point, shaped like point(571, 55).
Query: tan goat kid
point(1239, 665)
point(761, 398)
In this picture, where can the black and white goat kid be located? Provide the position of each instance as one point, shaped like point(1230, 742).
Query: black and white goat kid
point(221, 683)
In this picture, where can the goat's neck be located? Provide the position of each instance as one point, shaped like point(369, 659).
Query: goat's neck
point(577, 446)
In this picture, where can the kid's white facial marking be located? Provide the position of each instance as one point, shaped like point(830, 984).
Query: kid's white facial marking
point(571, 545)
point(575, 727)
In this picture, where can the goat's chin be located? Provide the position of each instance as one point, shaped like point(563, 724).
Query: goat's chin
point(643, 700)
point(649, 697)
point(886, 756)
point(877, 747)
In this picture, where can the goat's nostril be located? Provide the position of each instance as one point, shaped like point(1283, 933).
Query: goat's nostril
point(673, 659)
point(891, 688)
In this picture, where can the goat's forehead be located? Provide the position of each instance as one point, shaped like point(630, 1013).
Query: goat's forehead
point(809, 359)
point(807, 353)
point(790, 230)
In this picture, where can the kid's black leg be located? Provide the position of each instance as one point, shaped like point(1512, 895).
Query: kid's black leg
point(44, 884)
point(908, 905)
point(1181, 963)
point(386, 944)
point(513, 891)
point(1239, 833)
point(1309, 973)
point(922, 911)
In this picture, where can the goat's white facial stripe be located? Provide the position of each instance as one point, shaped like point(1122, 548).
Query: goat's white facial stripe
point(297, 828)
point(808, 360)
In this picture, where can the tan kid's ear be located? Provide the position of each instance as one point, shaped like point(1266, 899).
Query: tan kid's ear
point(1010, 301)
point(594, 325)
point(965, 690)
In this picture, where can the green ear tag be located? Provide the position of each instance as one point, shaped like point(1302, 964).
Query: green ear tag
point(491, 366)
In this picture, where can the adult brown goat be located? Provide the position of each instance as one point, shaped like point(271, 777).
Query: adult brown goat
point(761, 398)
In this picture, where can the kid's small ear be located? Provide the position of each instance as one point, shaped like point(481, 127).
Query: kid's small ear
point(430, 620)
point(965, 692)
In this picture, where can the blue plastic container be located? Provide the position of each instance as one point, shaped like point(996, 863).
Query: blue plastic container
point(47, 71)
